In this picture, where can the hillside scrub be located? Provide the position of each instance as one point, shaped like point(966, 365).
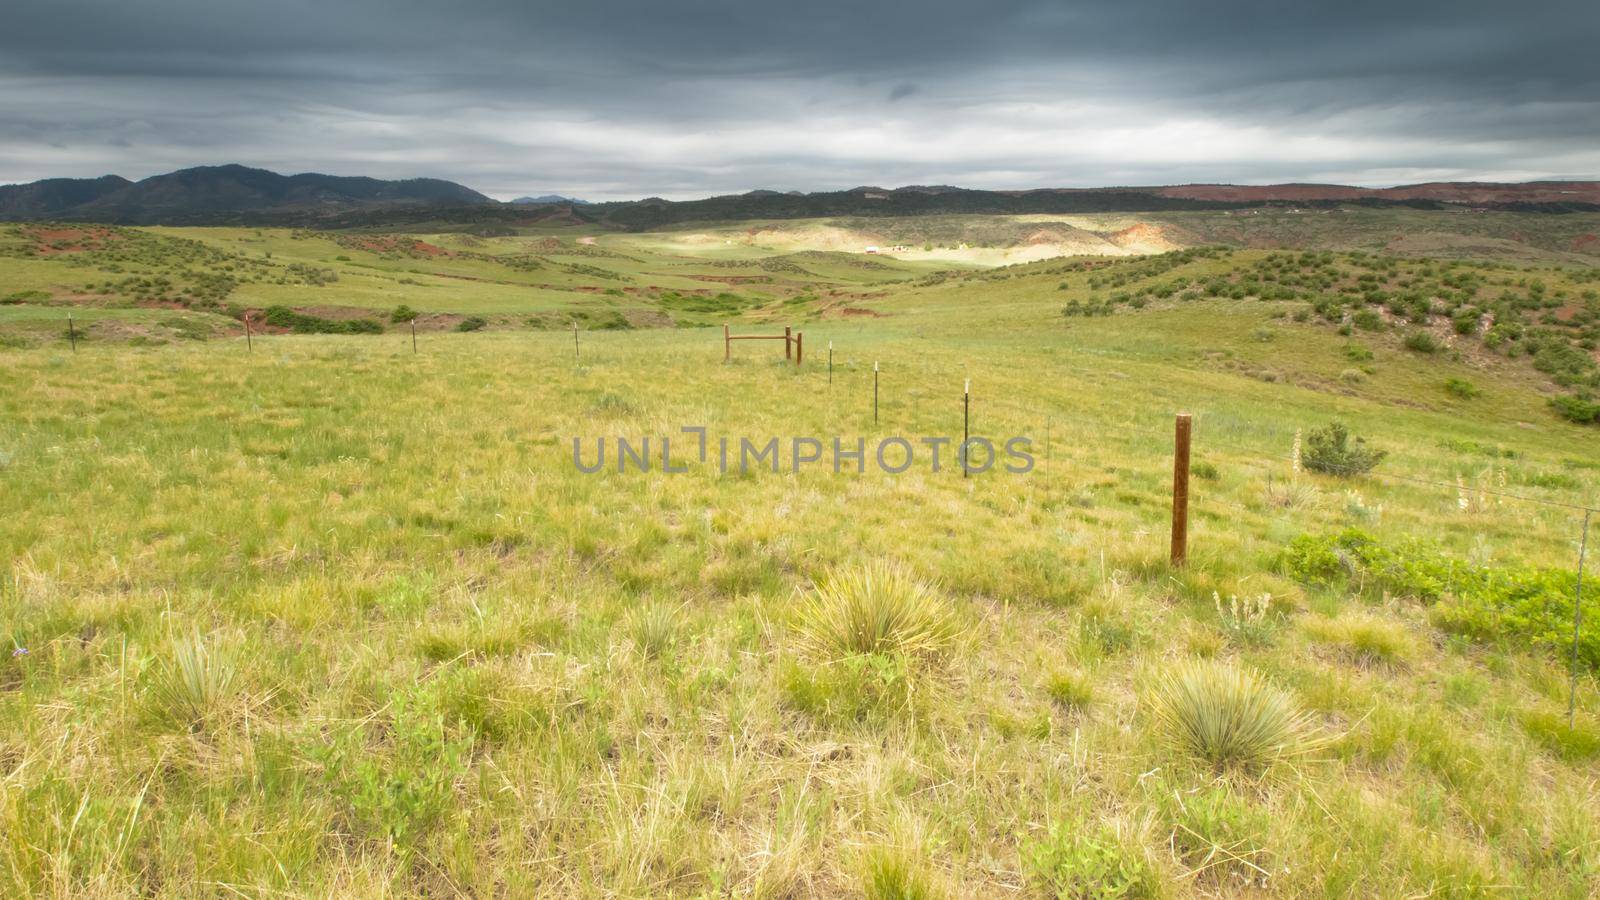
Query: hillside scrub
point(301, 323)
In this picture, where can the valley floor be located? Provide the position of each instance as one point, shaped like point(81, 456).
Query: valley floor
point(327, 615)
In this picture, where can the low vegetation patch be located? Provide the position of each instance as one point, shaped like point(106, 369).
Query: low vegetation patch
point(1524, 604)
point(301, 323)
point(1074, 863)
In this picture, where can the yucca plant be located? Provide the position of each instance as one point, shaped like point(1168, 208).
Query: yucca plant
point(1229, 717)
point(876, 609)
point(654, 629)
point(191, 686)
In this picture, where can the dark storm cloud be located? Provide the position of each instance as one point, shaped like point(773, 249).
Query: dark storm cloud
point(685, 99)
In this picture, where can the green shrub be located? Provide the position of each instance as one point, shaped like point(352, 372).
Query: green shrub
point(1488, 603)
point(301, 323)
point(402, 314)
point(1330, 450)
point(1203, 470)
point(472, 323)
point(1421, 342)
point(1462, 388)
point(1577, 409)
point(1071, 864)
point(1229, 717)
point(1367, 320)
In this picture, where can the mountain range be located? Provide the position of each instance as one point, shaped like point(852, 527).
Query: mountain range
point(549, 199)
point(239, 195)
point(219, 195)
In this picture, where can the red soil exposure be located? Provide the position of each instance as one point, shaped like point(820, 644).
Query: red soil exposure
point(1586, 241)
point(392, 244)
point(53, 241)
point(858, 311)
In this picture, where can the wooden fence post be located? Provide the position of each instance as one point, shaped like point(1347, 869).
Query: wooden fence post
point(727, 344)
point(966, 411)
point(1180, 491)
point(72, 333)
point(788, 343)
point(249, 344)
point(799, 348)
point(1577, 620)
point(874, 392)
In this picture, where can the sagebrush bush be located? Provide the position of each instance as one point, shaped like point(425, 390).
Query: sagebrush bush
point(1421, 342)
point(1229, 717)
point(875, 609)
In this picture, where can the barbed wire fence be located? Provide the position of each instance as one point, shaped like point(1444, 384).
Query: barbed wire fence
point(904, 397)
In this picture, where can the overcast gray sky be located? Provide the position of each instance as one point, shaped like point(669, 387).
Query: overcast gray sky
point(612, 100)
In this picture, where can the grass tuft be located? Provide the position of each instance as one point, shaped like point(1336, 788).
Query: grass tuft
point(654, 629)
point(192, 686)
point(1229, 717)
point(875, 609)
point(1576, 742)
point(1072, 691)
point(1367, 640)
point(890, 873)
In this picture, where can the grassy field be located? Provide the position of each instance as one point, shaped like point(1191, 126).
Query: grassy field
point(328, 616)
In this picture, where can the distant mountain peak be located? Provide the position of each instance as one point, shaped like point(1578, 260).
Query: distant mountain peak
point(547, 199)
